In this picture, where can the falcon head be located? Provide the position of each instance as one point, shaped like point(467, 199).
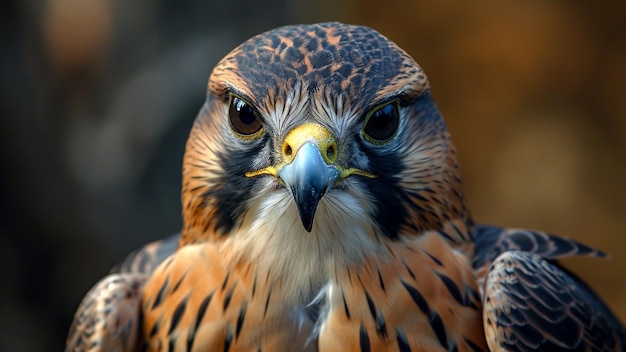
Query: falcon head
point(318, 135)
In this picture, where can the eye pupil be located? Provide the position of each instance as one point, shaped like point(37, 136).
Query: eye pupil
point(246, 113)
point(382, 123)
point(243, 117)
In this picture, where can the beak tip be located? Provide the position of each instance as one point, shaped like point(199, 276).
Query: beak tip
point(306, 211)
point(309, 177)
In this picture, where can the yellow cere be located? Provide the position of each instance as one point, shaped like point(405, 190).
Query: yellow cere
point(322, 138)
point(310, 132)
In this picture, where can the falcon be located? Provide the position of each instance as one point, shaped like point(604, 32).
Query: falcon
point(323, 210)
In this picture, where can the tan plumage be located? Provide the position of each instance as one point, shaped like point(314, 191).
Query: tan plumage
point(323, 210)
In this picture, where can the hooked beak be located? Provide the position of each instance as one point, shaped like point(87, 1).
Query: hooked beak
point(309, 177)
point(308, 168)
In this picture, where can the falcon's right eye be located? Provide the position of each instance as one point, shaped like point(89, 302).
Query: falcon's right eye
point(244, 119)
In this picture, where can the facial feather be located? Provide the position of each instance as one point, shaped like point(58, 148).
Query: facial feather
point(296, 78)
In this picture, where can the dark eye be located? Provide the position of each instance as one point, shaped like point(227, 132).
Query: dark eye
point(244, 119)
point(382, 123)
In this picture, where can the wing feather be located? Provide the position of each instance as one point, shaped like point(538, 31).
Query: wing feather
point(109, 315)
point(531, 303)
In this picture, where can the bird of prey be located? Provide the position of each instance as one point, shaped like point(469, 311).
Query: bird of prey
point(323, 211)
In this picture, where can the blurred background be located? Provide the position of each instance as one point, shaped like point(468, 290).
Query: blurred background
point(97, 98)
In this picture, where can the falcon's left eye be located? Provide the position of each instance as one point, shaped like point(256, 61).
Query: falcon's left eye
point(244, 119)
point(382, 123)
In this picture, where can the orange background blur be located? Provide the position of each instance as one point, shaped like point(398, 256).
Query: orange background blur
point(97, 97)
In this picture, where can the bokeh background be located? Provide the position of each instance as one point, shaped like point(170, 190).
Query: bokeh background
point(97, 97)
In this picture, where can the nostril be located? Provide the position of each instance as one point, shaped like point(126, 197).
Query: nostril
point(287, 150)
point(331, 151)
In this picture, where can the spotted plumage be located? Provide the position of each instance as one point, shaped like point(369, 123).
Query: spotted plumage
point(323, 211)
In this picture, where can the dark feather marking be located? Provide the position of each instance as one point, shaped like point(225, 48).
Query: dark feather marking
point(168, 262)
point(391, 201)
point(199, 316)
point(435, 259)
point(177, 285)
point(419, 197)
point(403, 344)
point(473, 293)
point(458, 231)
point(267, 302)
point(370, 305)
point(408, 269)
point(472, 345)
point(434, 319)
point(378, 317)
point(380, 279)
point(229, 296)
point(235, 188)
point(452, 288)
point(228, 339)
point(446, 236)
point(345, 306)
point(171, 344)
point(364, 340)
point(178, 313)
point(440, 330)
point(225, 281)
point(240, 319)
point(155, 327)
point(454, 348)
point(253, 286)
point(161, 293)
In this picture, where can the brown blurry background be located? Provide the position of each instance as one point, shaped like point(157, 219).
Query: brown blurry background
point(97, 97)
